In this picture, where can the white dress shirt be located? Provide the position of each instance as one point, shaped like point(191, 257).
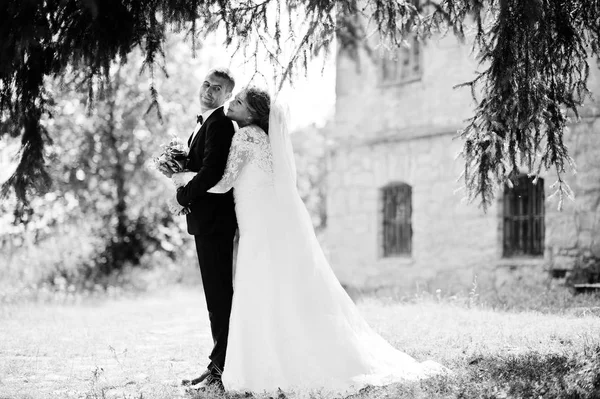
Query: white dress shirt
point(205, 116)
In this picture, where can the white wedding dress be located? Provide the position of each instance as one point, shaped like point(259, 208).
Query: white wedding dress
point(292, 325)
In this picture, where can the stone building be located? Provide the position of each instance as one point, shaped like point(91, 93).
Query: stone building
point(394, 215)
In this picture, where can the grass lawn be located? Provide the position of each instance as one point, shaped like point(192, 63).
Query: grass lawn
point(141, 348)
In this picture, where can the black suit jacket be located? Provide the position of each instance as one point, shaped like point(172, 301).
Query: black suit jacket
point(210, 213)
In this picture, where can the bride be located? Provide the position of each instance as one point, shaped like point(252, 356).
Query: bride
point(292, 325)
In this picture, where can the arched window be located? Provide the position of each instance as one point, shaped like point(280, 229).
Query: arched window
point(523, 226)
point(396, 237)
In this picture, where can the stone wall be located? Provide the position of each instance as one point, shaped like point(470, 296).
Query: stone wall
point(574, 232)
point(450, 237)
point(367, 110)
point(406, 133)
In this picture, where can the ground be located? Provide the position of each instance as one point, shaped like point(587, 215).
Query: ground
point(140, 347)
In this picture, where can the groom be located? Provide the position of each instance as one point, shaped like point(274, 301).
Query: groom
point(212, 219)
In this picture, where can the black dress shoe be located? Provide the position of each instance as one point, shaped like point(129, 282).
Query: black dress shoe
point(196, 380)
point(212, 383)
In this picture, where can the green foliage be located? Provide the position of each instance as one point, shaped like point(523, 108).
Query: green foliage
point(536, 57)
point(102, 161)
point(106, 210)
point(534, 54)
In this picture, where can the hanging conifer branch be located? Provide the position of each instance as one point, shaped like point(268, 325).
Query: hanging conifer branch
point(533, 53)
point(536, 76)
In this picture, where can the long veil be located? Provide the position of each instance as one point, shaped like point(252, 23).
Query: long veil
point(284, 165)
point(308, 292)
point(293, 231)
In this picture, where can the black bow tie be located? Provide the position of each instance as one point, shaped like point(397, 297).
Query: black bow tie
point(199, 119)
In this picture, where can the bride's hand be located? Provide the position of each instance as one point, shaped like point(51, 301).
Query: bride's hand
point(182, 178)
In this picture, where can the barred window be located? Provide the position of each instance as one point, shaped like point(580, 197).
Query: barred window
point(396, 202)
point(402, 65)
point(523, 225)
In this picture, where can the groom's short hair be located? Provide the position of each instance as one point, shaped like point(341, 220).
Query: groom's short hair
point(224, 73)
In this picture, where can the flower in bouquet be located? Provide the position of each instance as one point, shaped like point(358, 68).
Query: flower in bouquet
point(173, 157)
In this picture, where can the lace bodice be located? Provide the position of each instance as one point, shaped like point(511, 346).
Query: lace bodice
point(250, 146)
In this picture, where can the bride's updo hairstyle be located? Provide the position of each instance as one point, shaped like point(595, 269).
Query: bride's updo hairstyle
point(259, 102)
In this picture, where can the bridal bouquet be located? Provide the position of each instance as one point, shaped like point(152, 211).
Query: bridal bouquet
point(173, 156)
point(172, 160)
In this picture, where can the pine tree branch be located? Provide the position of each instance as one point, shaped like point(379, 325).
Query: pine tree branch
point(534, 54)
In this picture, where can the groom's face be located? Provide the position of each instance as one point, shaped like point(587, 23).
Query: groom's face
point(214, 92)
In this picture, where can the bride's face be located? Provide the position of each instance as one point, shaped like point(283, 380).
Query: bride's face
point(239, 111)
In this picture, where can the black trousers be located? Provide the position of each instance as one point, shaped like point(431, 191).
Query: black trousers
point(215, 255)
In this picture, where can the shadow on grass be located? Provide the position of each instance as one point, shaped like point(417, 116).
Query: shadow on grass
point(529, 375)
point(534, 375)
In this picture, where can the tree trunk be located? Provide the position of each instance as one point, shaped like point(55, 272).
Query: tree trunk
point(120, 239)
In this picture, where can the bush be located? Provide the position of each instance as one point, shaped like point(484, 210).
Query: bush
point(76, 259)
